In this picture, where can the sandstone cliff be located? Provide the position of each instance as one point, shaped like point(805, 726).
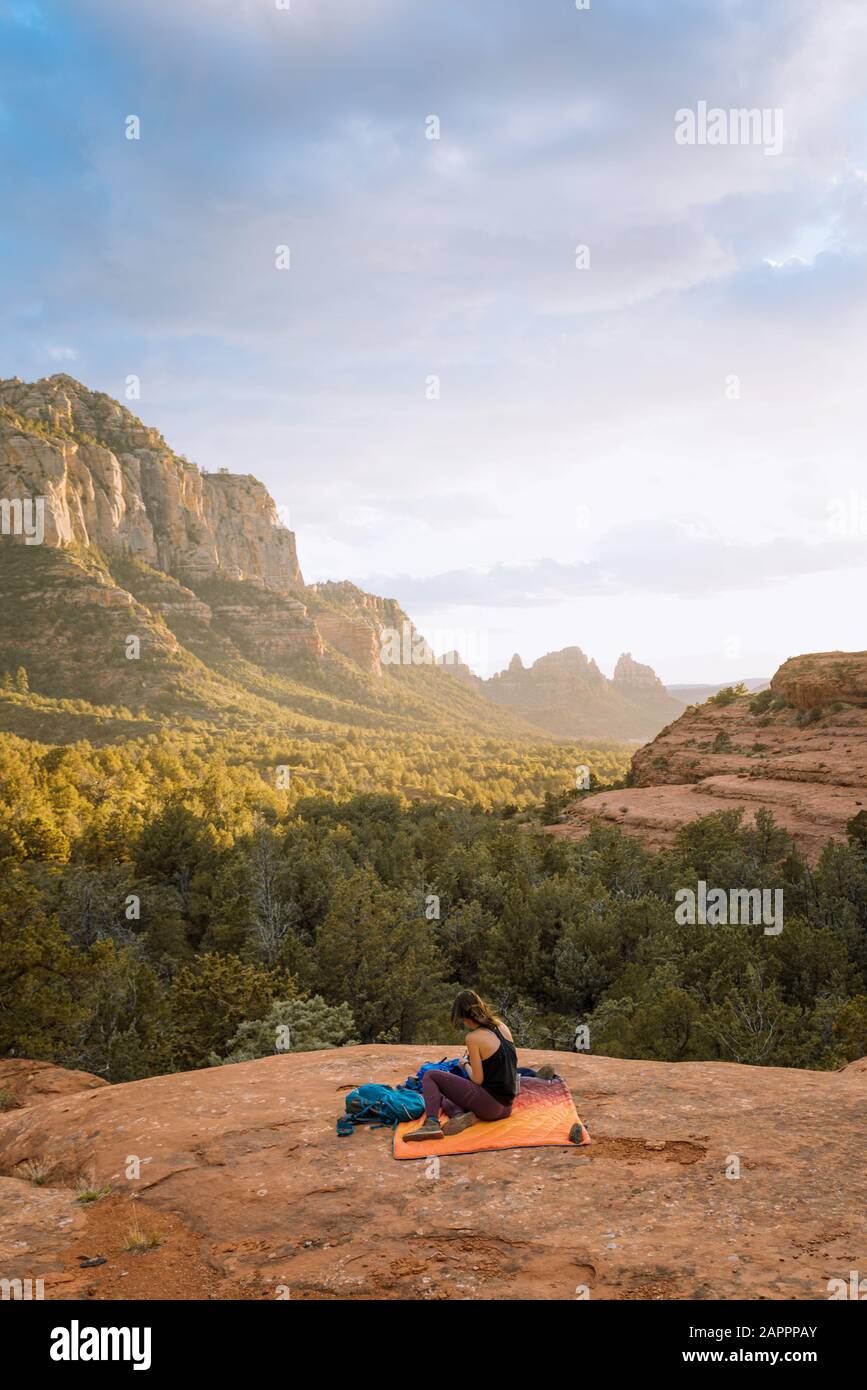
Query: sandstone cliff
point(138, 544)
point(798, 749)
point(248, 1192)
point(110, 482)
point(822, 681)
point(354, 622)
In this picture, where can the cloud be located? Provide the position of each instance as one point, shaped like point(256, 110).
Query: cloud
point(687, 560)
point(262, 126)
point(604, 388)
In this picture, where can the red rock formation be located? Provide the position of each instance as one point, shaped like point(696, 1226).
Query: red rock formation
point(814, 682)
point(244, 1179)
point(632, 675)
point(799, 750)
point(452, 662)
point(353, 637)
point(112, 488)
point(23, 1082)
point(566, 694)
point(270, 630)
point(357, 623)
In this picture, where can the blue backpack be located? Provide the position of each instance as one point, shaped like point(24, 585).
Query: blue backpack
point(451, 1064)
point(378, 1105)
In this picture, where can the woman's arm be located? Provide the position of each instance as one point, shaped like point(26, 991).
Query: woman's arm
point(475, 1061)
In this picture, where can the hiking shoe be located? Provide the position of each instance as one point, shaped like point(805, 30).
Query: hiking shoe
point(459, 1124)
point(429, 1130)
point(546, 1073)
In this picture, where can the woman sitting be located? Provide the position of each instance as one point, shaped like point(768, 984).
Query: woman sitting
point(492, 1063)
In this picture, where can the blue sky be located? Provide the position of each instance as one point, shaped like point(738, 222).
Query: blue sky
point(662, 452)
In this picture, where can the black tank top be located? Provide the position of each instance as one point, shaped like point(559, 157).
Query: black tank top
point(500, 1071)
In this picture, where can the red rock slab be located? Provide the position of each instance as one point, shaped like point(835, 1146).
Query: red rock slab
point(23, 1082)
point(705, 1180)
point(811, 812)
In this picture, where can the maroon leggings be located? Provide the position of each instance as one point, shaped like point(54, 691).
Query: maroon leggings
point(443, 1090)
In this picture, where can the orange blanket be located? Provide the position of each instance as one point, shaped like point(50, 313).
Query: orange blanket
point(544, 1113)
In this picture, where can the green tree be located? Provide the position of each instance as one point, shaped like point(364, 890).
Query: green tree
point(210, 998)
point(44, 980)
point(373, 952)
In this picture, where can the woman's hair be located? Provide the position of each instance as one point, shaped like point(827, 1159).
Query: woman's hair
point(469, 1005)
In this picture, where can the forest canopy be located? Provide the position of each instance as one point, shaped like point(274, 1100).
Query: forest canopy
point(167, 904)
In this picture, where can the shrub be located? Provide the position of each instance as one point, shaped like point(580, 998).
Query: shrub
point(809, 716)
point(291, 1025)
point(728, 694)
point(764, 701)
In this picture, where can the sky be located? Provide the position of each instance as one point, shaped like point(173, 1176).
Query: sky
point(528, 361)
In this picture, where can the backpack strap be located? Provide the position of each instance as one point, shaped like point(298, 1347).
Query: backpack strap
point(366, 1116)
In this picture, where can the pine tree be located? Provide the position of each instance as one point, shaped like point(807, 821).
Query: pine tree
point(211, 998)
point(375, 953)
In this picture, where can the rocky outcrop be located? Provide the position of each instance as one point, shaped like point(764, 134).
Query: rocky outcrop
point(355, 639)
point(373, 632)
point(457, 667)
point(249, 1193)
point(272, 632)
point(352, 621)
point(110, 482)
point(138, 542)
point(566, 694)
point(820, 681)
point(798, 749)
point(631, 675)
point(23, 1082)
point(812, 815)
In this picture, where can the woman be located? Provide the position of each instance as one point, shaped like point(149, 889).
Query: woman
point(492, 1062)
